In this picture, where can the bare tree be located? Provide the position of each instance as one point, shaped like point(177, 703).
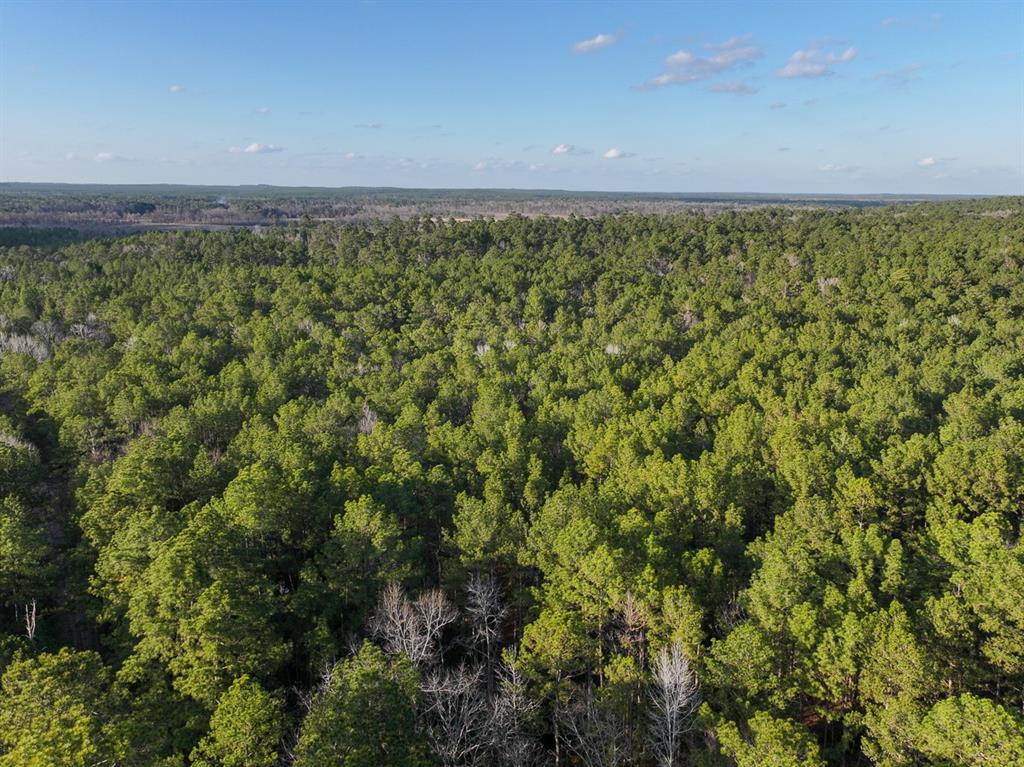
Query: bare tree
point(367, 420)
point(30, 620)
point(456, 715)
point(633, 632)
point(675, 695)
point(512, 710)
point(413, 628)
point(596, 732)
point(307, 699)
point(486, 611)
point(730, 615)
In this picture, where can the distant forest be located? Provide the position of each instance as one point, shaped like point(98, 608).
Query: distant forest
point(126, 208)
point(729, 488)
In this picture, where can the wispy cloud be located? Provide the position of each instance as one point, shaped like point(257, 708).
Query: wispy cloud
point(596, 43)
point(684, 67)
point(777, 105)
point(900, 76)
point(931, 162)
point(264, 110)
point(617, 154)
point(255, 148)
point(517, 166)
point(814, 63)
point(370, 126)
point(110, 157)
point(177, 89)
point(739, 89)
point(833, 168)
point(931, 22)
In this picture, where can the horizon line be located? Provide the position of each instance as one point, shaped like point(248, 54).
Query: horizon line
point(356, 187)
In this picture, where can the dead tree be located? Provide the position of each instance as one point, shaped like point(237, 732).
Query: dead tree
point(633, 631)
point(486, 612)
point(30, 620)
point(596, 732)
point(675, 696)
point(512, 711)
point(412, 627)
point(455, 715)
point(307, 699)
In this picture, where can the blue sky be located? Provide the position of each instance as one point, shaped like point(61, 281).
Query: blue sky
point(727, 97)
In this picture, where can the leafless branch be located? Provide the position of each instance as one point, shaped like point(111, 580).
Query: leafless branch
point(675, 696)
point(456, 715)
point(512, 711)
point(30, 620)
point(597, 734)
point(412, 628)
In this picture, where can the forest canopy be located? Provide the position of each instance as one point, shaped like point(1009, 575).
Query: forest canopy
point(742, 489)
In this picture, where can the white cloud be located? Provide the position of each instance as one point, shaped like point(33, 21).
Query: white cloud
point(931, 162)
point(177, 89)
point(264, 110)
point(803, 64)
point(617, 154)
point(595, 43)
point(812, 63)
point(70, 156)
point(739, 89)
point(567, 149)
point(733, 42)
point(685, 67)
point(831, 168)
point(680, 59)
point(841, 58)
point(110, 157)
point(255, 148)
point(518, 166)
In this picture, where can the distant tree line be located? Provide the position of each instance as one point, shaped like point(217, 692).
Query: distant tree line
point(127, 208)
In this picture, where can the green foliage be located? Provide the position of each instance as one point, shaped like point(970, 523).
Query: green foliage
point(967, 730)
point(769, 742)
point(788, 439)
point(54, 710)
point(363, 716)
point(245, 729)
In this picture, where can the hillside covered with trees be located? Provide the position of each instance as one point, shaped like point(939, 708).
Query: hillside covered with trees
point(739, 490)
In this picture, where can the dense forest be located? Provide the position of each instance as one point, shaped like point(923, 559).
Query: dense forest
point(741, 489)
point(132, 207)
